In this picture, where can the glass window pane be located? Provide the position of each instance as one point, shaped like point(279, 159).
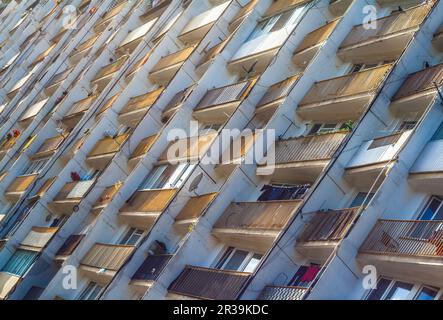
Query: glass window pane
point(20, 262)
point(253, 263)
point(399, 291)
point(426, 294)
point(236, 260)
point(377, 293)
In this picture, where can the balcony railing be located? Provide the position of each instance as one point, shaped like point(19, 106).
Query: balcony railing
point(366, 81)
point(149, 201)
point(69, 245)
point(420, 82)
point(316, 147)
point(48, 147)
point(438, 39)
point(111, 68)
point(143, 147)
point(241, 15)
point(37, 238)
point(283, 293)
point(109, 15)
point(329, 226)
point(74, 190)
point(269, 215)
point(400, 21)
point(207, 283)
point(151, 267)
point(278, 91)
point(137, 106)
point(173, 59)
point(20, 184)
point(405, 238)
point(107, 146)
point(107, 256)
point(195, 207)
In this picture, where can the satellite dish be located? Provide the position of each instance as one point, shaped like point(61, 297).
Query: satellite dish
point(194, 184)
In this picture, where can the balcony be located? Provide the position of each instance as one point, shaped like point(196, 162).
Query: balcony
point(254, 225)
point(311, 44)
point(56, 81)
point(101, 25)
point(149, 271)
point(209, 56)
point(187, 150)
point(38, 238)
point(134, 38)
point(104, 150)
point(135, 67)
point(104, 76)
point(338, 7)
point(48, 148)
point(156, 11)
point(102, 261)
point(283, 293)
point(67, 200)
point(41, 56)
point(418, 91)
point(83, 49)
point(241, 15)
point(385, 42)
point(406, 250)
point(19, 186)
point(301, 160)
point(426, 175)
point(192, 210)
point(438, 39)
point(211, 284)
point(167, 66)
point(30, 113)
point(7, 143)
point(199, 25)
point(343, 98)
point(373, 158)
point(324, 232)
point(16, 88)
point(137, 107)
point(141, 150)
point(217, 105)
point(8, 282)
point(68, 247)
point(258, 53)
point(145, 206)
point(77, 111)
point(105, 198)
point(175, 103)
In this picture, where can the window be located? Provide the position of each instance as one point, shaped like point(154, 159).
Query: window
point(362, 66)
point(433, 211)
point(89, 175)
point(362, 198)
point(324, 127)
point(277, 22)
point(35, 166)
point(20, 262)
point(238, 260)
point(132, 237)
point(407, 125)
point(208, 128)
point(426, 293)
point(390, 290)
point(305, 275)
point(439, 133)
point(167, 176)
point(91, 292)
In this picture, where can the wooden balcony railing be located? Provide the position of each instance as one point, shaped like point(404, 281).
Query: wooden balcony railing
point(111, 68)
point(205, 283)
point(70, 244)
point(21, 183)
point(395, 23)
point(226, 94)
point(405, 238)
point(421, 81)
point(328, 226)
point(108, 145)
point(149, 200)
point(317, 36)
point(173, 59)
point(269, 215)
point(317, 147)
point(283, 293)
point(366, 81)
point(107, 256)
point(278, 91)
point(151, 267)
point(142, 101)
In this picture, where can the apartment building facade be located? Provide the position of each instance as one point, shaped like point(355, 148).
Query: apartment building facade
point(213, 149)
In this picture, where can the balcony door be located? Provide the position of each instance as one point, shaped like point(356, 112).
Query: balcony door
point(433, 211)
point(238, 260)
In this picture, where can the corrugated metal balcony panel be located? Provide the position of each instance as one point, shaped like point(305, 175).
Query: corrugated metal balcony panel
point(328, 226)
point(195, 207)
point(111, 68)
point(37, 238)
point(49, 146)
point(143, 147)
point(81, 106)
point(269, 215)
point(226, 94)
point(70, 245)
point(151, 267)
point(317, 147)
point(142, 101)
point(45, 187)
point(366, 81)
point(108, 104)
point(283, 293)
point(149, 201)
point(21, 183)
point(205, 283)
point(317, 36)
point(173, 59)
point(395, 23)
point(421, 81)
point(107, 256)
point(108, 145)
point(189, 149)
point(279, 90)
